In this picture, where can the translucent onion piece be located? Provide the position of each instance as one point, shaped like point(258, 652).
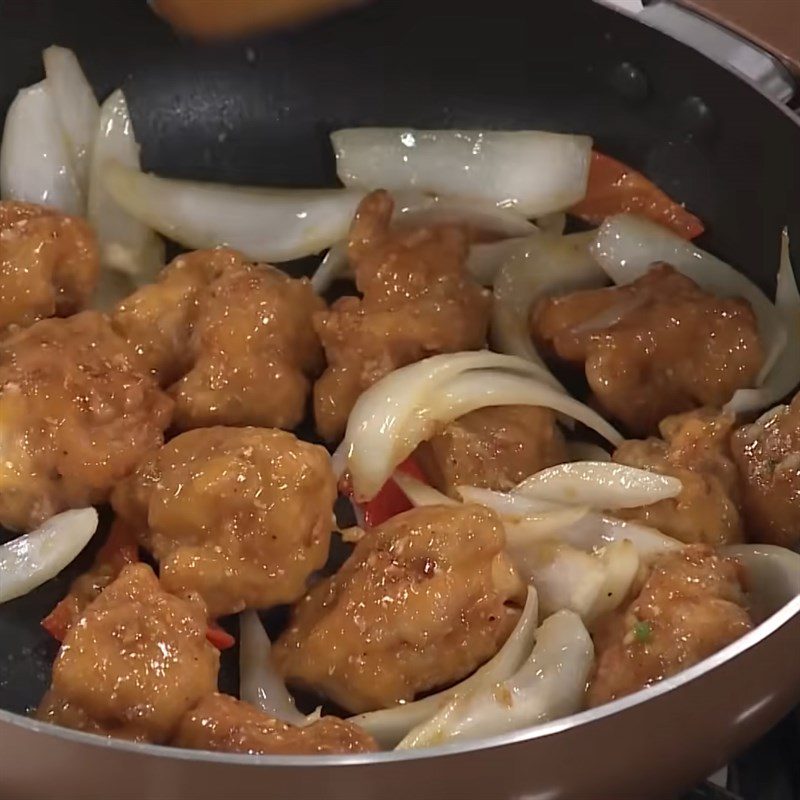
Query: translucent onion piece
point(29, 560)
point(532, 171)
point(587, 451)
point(35, 159)
point(485, 260)
point(126, 245)
point(406, 407)
point(76, 106)
point(334, 266)
point(549, 685)
point(588, 583)
point(259, 682)
point(265, 224)
point(390, 725)
point(554, 223)
point(784, 376)
point(111, 287)
point(599, 484)
point(508, 505)
point(421, 494)
point(626, 246)
point(543, 266)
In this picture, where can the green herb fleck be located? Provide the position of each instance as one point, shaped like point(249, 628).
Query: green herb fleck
point(642, 632)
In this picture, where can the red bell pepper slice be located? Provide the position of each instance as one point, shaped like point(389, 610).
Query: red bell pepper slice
point(219, 637)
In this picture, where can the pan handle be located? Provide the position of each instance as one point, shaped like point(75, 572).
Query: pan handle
point(761, 45)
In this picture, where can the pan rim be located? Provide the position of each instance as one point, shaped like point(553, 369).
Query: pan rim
point(780, 618)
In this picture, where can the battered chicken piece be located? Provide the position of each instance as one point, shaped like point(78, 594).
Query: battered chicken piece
point(691, 605)
point(242, 516)
point(222, 723)
point(48, 264)
point(135, 664)
point(635, 343)
point(77, 414)
point(232, 340)
point(696, 449)
point(417, 301)
point(495, 448)
point(423, 600)
point(767, 454)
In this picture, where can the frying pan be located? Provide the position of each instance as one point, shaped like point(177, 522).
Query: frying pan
point(259, 112)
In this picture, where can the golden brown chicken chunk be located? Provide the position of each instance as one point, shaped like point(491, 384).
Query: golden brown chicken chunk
point(225, 724)
point(691, 605)
point(695, 449)
point(77, 413)
point(242, 516)
point(658, 346)
point(422, 601)
point(48, 264)
point(495, 448)
point(137, 661)
point(232, 340)
point(768, 456)
point(417, 301)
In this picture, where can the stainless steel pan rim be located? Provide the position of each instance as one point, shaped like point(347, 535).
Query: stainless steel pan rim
point(761, 632)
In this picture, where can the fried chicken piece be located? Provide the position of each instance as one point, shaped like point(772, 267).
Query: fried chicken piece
point(417, 301)
point(48, 264)
point(767, 454)
point(223, 723)
point(691, 605)
point(696, 449)
point(655, 347)
point(242, 516)
point(423, 600)
point(233, 341)
point(135, 664)
point(494, 447)
point(77, 414)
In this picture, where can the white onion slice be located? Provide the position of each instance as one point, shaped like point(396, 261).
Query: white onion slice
point(390, 725)
point(587, 451)
point(405, 408)
point(543, 266)
point(259, 681)
point(549, 685)
point(485, 260)
point(126, 245)
point(33, 558)
point(35, 159)
point(112, 286)
point(508, 505)
point(75, 105)
point(626, 246)
point(599, 485)
point(335, 265)
point(265, 224)
point(532, 171)
point(784, 376)
point(554, 223)
point(421, 494)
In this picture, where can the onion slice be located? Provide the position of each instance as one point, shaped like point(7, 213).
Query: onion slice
point(599, 485)
point(390, 725)
point(259, 682)
point(626, 246)
point(541, 267)
point(586, 451)
point(33, 558)
point(265, 224)
point(35, 159)
point(508, 505)
point(534, 172)
point(784, 376)
point(75, 105)
point(420, 493)
point(549, 685)
point(126, 245)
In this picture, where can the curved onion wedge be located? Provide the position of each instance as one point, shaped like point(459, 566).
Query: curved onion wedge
point(549, 685)
point(599, 484)
point(508, 505)
point(406, 407)
point(259, 682)
point(588, 583)
point(627, 245)
point(390, 725)
point(126, 245)
point(35, 159)
point(421, 494)
point(587, 451)
point(532, 171)
point(542, 266)
point(554, 223)
point(265, 224)
point(76, 106)
point(335, 265)
point(784, 376)
point(33, 558)
point(485, 260)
